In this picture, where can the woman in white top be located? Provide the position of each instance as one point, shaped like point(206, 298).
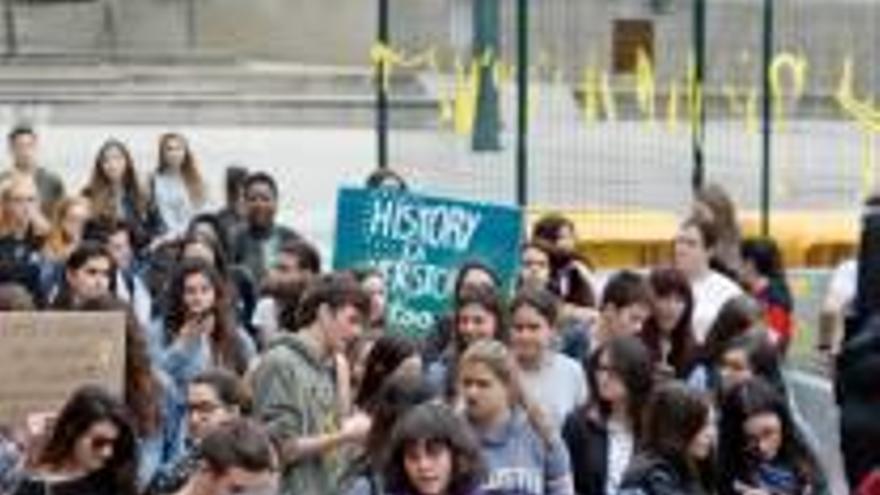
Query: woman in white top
point(177, 185)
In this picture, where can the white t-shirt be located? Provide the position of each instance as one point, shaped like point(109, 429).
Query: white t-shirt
point(558, 386)
point(710, 293)
point(621, 445)
point(265, 318)
point(843, 284)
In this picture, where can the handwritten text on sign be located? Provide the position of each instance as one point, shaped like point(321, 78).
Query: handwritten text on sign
point(417, 243)
point(46, 356)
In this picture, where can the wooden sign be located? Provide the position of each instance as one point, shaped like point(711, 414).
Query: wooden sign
point(44, 357)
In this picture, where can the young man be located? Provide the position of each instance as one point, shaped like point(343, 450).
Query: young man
point(694, 242)
point(237, 457)
point(295, 394)
point(625, 306)
point(23, 148)
point(297, 265)
point(257, 244)
point(213, 398)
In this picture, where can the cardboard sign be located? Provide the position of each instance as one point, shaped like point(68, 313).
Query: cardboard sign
point(418, 243)
point(44, 357)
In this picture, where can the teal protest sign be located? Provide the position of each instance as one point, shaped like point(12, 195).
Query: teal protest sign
point(418, 242)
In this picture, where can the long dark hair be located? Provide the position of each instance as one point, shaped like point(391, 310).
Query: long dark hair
point(87, 406)
point(579, 291)
point(143, 390)
point(671, 282)
point(189, 170)
point(736, 317)
point(99, 188)
point(673, 418)
point(489, 299)
point(227, 349)
point(631, 361)
point(384, 358)
point(737, 461)
point(86, 251)
point(397, 395)
point(437, 424)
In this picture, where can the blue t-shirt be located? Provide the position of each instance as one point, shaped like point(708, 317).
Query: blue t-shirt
point(520, 462)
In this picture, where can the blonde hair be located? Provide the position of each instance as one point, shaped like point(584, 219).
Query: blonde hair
point(495, 356)
point(59, 242)
point(7, 186)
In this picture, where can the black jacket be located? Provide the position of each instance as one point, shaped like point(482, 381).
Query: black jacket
point(653, 475)
point(587, 441)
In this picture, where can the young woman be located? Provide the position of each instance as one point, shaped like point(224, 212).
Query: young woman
point(677, 439)
point(156, 405)
point(761, 450)
point(398, 394)
point(432, 452)
point(667, 333)
point(553, 380)
point(22, 230)
point(713, 203)
point(198, 329)
point(177, 185)
point(535, 262)
point(523, 453)
point(470, 274)
point(748, 356)
point(373, 284)
point(737, 317)
point(68, 225)
point(602, 436)
point(88, 273)
point(91, 450)
point(390, 356)
point(478, 315)
point(764, 277)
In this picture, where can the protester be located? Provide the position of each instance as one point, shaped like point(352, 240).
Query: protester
point(761, 449)
point(231, 216)
point(667, 332)
point(257, 244)
point(471, 273)
point(237, 457)
point(373, 284)
point(23, 143)
point(764, 277)
point(116, 192)
point(571, 272)
point(535, 264)
point(213, 397)
point(298, 263)
point(390, 356)
point(89, 273)
point(176, 186)
point(433, 452)
point(294, 391)
point(91, 450)
point(22, 231)
point(625, 305)
point(677, 439)
point(478, 315)
point(694, 244)
point(397, 395)
point(602, 436)
point(523, 452)
point(198, 329)
point(712, 203)
point(68, 225)
point(549, 378)
point(154, 402)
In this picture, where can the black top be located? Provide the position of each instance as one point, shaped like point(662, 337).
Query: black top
point(653, 475)
point(94, 484)
point(587, 441)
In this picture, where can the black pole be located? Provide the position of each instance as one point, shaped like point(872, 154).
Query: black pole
point(382, 90)
point(766, 117)
point(9, 21)
point(522, 103)
point(698, 103)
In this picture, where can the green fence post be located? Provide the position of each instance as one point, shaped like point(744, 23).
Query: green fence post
point(522, 103)
point(9, 22)
point(766, 117)
point(485, 52)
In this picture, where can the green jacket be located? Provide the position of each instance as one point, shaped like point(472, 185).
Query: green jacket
point(295, 396)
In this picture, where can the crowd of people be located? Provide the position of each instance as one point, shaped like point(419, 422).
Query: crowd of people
point(249, 371)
